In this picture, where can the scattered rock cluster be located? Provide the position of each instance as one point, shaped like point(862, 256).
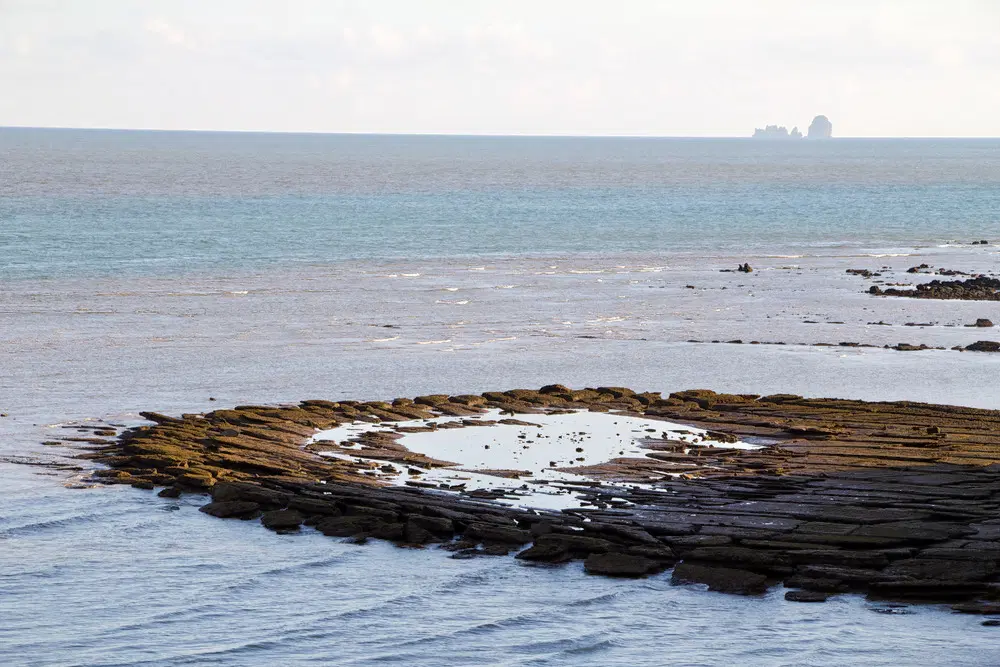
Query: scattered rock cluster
point(980, 288)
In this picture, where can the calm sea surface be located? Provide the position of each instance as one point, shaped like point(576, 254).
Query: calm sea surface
point(145, 270)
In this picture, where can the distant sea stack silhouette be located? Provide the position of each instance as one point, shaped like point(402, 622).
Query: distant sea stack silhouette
point(820, 128)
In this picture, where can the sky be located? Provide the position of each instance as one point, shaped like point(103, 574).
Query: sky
point(568, 67)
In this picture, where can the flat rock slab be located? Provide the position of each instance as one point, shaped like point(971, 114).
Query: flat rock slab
point(899, 500)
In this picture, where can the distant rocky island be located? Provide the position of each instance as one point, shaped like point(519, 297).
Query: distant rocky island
point(820, 128)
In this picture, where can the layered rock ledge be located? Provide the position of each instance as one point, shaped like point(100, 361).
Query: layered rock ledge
point(893, 499)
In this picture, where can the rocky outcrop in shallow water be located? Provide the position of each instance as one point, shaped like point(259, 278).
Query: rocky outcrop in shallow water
point(898, 500)
point(980, 288)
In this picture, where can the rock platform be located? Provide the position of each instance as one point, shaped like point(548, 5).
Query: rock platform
point(897, 500)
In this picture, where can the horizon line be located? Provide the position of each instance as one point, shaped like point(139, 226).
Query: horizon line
point(464, 134)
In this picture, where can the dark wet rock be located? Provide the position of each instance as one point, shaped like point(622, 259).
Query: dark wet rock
point(660, 554)
point(939, 569)
point(497, 548)
point(551, 552)
point(721, 579)
point(170, 492)
point(984, 346)
point(979, 288)
point(806, 596)
point(620, 565)
point(686, 543)
point(494, 533)
point(250, 493)
point(982, 322)
point(763, 560)
point(578, 545)
point(347, 526)
point(392, 531)
point(231, 509)
point(436, 526)
point(926, 590)
point(977, 607)
point(282, 520)
point(316, 506)
point(819, 585)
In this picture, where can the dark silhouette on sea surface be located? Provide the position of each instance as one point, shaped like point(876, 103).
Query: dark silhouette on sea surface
point(820, 128)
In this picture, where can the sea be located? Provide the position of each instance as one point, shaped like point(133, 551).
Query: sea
point(188, 271)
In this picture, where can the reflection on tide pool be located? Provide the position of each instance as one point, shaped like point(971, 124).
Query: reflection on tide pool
point(531, 459)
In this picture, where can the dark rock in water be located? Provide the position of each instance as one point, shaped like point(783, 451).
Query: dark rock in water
point(392, 531)
point(721, 579)
point(497, 548)
point(619, 565)
point(231, 509)
point(980, 288)
point(438, 526)
point(806, 596)
point(992, 623)
point(170, 492)
point(282, 520)
point(984, 346)
point(552, 552)
point(982, 322)
point(977, 607)
point(864, 273)
point(347, 526)
point(494, 533)
point(415, 535)
point(744, 268)
point(314, 506)
point(661, 554)
point(578, 545)
point(247, 492)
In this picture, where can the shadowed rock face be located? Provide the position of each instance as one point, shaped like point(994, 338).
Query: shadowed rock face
point(899, 499)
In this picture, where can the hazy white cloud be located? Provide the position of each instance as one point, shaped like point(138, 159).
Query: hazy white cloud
point(713, 67)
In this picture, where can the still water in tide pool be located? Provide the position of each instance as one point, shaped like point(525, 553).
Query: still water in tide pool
point(155, 270)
